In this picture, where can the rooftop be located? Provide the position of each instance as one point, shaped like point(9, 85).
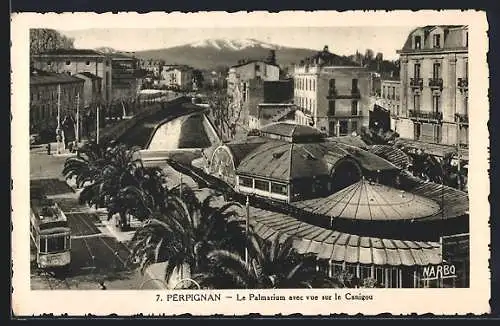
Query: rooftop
point(370, 201)
point(292, 132)
point(89, 75)
point(253, 61)
point(332, 245)
point(75, 52)
point(41, 77)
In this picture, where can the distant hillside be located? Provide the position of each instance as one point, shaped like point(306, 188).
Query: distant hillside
point(213, 53)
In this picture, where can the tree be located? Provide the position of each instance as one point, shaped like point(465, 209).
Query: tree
point(369, 55)
point(43, 39)
point(272, 264)
point(198, 78)
point(225, 113)
point(112, 177)
point(379, 58)
point(185, 233)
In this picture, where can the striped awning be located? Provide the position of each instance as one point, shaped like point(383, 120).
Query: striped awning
point(343, 247)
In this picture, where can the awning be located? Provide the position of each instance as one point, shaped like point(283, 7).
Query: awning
point(343, 247)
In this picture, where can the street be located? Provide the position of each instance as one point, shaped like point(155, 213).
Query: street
point(99, 251)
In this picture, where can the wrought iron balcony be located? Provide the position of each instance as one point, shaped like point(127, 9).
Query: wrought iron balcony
point(417, 83)
point(333, 94)
point(463, 84)
point(436, 83)
point(462, 118)
point(437, 116)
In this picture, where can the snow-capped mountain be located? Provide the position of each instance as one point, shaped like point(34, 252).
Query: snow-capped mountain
point(234, 44)
point(211, 54)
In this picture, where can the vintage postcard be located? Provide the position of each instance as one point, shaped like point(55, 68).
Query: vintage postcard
point(234, 163)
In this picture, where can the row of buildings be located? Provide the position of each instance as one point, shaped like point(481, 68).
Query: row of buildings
point(427, 103)
point(174, 76)
point(67, 78)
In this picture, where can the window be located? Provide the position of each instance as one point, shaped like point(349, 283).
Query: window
point(331, 107)
point(68, 63)
point(331, 84)
point(435, 103)
point(343, 128)
point(257, 68)
point(354, 86)
point(55, 244)
point(262, 185)
point(245, 182)
point(436, 70)
point(466, 105)
point(313, 85)
point(87, 63)
point(436, 38)
point(365, 271)
point(279, 188)
point(416, 71)
point(354, 126)
point(416, 102)
point(49, 63)
point(379, 275)
point(466, 38)
point(417, 131)
point(466, 70)
point(107, 63)
point(418, 42)
point(354, 107)
point(384, 92)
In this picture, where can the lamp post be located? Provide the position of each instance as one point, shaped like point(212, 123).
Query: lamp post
point(247, 218)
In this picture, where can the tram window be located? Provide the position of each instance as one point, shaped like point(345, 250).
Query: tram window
point(393, 278)
point(55, 244)
point(43, 244)
point(68, 242)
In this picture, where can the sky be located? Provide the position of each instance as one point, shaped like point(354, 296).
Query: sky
point(340, 40)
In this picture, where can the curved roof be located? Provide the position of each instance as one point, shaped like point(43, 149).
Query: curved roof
point(287, 161)
point(392, 154)
point(343, 247)
point(370, 201)
point(139, 130)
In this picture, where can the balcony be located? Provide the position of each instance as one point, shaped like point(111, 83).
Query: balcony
point(417, 83)
point(431, 116)
point(333, 94)
point(462, 118)
point(463, 84)
point(436, 83)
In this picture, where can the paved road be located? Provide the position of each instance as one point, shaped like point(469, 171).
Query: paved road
point(97, 255)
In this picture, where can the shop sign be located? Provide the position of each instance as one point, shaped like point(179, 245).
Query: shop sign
point(435, 272)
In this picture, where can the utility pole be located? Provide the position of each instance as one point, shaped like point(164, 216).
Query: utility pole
point(247, 218)
point(77, 118)
point(459, 181)
point(97, 122)
point(58, 130)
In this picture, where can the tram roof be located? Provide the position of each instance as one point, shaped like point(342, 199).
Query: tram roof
point(47, 211)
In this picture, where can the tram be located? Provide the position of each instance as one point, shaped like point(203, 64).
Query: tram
point(50, 232)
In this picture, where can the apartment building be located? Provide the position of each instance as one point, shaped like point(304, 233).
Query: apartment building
point(390, 99)
point(125, 76)
point(180, 77)
point(334, 99)
point(434, 85)
point(48, 91)
point(74, 61)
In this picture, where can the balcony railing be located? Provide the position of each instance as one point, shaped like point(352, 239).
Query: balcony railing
point(463, 84)
point(436, 83)
point(417, 83)
point(438, 116)
point(462, 118)
point(333, 94)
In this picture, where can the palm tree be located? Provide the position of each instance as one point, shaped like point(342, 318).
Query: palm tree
point(114, 178)
point(184, 233)
point(271, 265)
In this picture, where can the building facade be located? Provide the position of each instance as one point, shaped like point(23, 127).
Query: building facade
point(434, 85)
point(73, 61)
point(180, 77)
point(125, 78)
point(48, 91)
point(334, 99)
point(390, 99)
point(92, 89)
